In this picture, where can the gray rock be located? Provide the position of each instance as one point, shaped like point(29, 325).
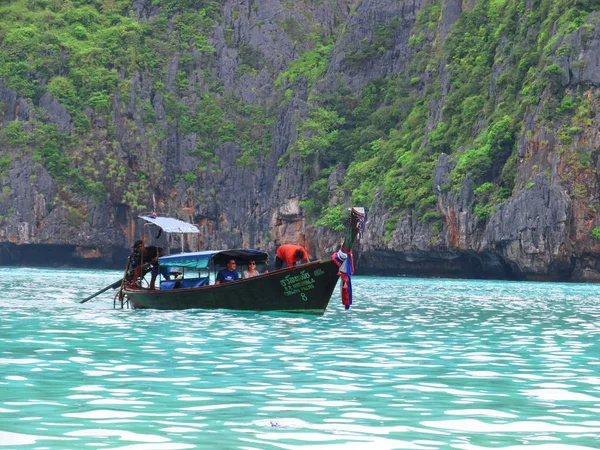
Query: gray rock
point(57, 113)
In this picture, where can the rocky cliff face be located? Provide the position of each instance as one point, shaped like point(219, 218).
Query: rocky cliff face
point(252, 206)
point(541, 232)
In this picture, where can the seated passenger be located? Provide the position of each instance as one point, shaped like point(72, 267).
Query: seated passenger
point(251, 272)
point(178, 279)
point(227, 274)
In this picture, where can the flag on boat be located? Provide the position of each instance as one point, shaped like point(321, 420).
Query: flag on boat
point(343, 259)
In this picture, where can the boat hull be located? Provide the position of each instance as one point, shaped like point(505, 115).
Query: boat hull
point(301, 289)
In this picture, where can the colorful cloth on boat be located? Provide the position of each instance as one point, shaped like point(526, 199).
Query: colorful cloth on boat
point(343, 259)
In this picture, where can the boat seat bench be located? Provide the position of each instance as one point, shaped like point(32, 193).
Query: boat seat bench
point(184, 283)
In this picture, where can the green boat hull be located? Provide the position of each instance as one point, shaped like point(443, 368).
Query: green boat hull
point(301, 289)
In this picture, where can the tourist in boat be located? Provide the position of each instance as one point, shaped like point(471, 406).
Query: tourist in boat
point(290, 254)
point(228, 274)
point(251, 272)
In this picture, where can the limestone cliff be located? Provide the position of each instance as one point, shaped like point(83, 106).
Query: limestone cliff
point(154, 140)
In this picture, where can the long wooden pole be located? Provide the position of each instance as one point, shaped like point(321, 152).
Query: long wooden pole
point(114, 285)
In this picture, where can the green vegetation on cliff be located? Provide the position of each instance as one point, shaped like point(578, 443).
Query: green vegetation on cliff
point(87, 54)
point(498, 62)
point(155, 77)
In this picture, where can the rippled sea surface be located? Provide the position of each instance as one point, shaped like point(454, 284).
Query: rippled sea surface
point(415, 364)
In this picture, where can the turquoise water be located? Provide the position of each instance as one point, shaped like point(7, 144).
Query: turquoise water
point(415, 364)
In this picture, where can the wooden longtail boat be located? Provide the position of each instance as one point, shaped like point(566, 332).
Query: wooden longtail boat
point(304, 288)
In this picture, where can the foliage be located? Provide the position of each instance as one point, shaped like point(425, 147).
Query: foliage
point(311, 65)
point(487, 197)
point(318, 132)
point(382, 41)
point(383, 140)
point(251, 59)
point(75, 217)
point(253, 128)
point(15, 133)
point(48, 147)
point(334, 218)
point(188, 177)
point(595, 234)
point(5, 161)
point(317, 199)
point(501, 60)
point(206, 120)
point(390, 228)
point(217, 120)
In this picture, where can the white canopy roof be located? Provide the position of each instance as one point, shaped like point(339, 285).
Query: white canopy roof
point(171, 225)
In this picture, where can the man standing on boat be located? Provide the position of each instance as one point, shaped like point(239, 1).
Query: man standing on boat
point(153, 253)
point(145, 259)
point(228, 274)
point(290, 254)
point(135, 261)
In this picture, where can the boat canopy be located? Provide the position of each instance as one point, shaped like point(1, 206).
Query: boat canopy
point(201, 260)
point(171, 225)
